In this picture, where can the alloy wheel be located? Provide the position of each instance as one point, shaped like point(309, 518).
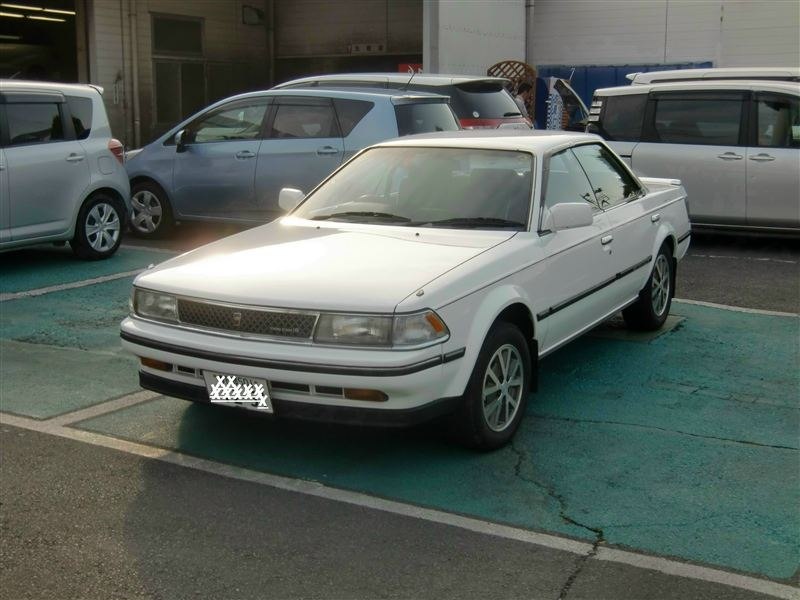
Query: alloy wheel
point(102, 227)
point(661, 284)
point(503, 383)
point(147, 211)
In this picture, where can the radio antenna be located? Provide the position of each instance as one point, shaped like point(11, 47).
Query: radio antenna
point(413, 72)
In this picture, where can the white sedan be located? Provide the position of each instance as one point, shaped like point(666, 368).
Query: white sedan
point(425, 277)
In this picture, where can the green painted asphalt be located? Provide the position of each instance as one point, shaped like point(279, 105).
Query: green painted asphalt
point(684, 445)
point(44, 266)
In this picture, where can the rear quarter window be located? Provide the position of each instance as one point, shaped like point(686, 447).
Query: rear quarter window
point(424, 118)
point(81, 109)
point(350, 113)
point(622, 117)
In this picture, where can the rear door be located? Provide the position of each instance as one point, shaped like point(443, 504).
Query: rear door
point(632, 227)
point(214, 174)
point(46, 167)
point(773, 161)
point(699, 138)
point(303, 145)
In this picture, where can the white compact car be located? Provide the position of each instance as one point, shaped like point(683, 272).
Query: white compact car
point(426, 276)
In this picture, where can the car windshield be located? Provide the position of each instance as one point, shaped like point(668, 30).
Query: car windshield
point(458, 188)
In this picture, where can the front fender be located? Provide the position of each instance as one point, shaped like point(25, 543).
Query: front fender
point(470, 319)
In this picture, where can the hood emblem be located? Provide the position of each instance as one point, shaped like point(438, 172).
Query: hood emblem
point(236, 319)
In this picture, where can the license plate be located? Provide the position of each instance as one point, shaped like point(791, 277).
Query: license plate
point(251, 393)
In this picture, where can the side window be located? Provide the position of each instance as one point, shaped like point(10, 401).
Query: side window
point(710, 121)
point(611, 184)
point(623, 116)
point(350, 113)
point(34, 123)
point(566, 181)
point(81, 109)
point(777, 122)
point(304, 121)
point(241, 122)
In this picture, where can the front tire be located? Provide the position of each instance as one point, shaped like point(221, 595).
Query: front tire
point(98, 230)
point(152, 214)
point(497, 393)
point(651, 309)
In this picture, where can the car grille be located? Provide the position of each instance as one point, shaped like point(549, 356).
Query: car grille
point(242, 320)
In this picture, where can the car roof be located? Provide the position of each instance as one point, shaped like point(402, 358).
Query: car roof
point(759, 73)
point(333, 92)
point(537, 141)
point(773, 86)
point(418, 78)
point(20, 85)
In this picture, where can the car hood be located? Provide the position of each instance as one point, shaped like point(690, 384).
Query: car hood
point(299, 264)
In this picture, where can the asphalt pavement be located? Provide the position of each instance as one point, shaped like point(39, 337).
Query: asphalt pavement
point(676, 453)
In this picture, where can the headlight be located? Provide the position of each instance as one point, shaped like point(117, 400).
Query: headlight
point(356, 330)
point(380, 330)
point(155, 305)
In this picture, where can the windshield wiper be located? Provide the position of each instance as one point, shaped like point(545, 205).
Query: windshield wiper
point(470, 222)
point(366, 213)
point(512, 114)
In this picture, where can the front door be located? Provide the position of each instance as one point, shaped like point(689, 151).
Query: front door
point(570, 282)
point(773, 162)
point(214, 171)
point(698, 138)
point(303, 147)
point(47, 172)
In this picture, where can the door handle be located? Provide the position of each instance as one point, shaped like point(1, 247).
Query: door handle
point(2, 167)
point(762, 157)
point(75, 157)
point(655, 218)
point(245, 154)
point(730, 156)
point(327, 150)
point(606, 240)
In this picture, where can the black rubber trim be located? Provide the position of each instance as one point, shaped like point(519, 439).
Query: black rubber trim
point(297, 366)
point(566, 303)
point(684, 236)
point(346, 415)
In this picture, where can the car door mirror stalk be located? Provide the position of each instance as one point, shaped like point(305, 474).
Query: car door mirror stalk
point(289, 198)
point(569, 215)
point(181, 139)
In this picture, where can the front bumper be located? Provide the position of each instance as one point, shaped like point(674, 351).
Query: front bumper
point(346, 415)
point(303, 379)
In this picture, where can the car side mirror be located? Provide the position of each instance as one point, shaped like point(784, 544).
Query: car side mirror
point(289, 198)
point(181, 139)
point(569, 215)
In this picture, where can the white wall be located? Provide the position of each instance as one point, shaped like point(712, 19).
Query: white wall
point(469, 36)
point(731, 33)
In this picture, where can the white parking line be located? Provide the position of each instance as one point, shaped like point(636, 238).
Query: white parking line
point(67, 286)
point(103, 408)
point(756, 258)
point(311, 488)
point(756, 311)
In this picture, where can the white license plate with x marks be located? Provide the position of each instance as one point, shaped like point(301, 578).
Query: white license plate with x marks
point(251, 393)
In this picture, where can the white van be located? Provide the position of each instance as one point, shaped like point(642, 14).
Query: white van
point(734, 144)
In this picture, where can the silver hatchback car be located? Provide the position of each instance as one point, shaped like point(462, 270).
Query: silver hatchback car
point(61, 172)
point(230, 161)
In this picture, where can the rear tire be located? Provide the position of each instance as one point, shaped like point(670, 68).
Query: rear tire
point(98, 230)
point(497, 392)
point(152, 214)
point(651, 309)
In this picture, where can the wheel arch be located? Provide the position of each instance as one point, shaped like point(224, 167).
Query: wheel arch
point(507, 303)
point(90, 194)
